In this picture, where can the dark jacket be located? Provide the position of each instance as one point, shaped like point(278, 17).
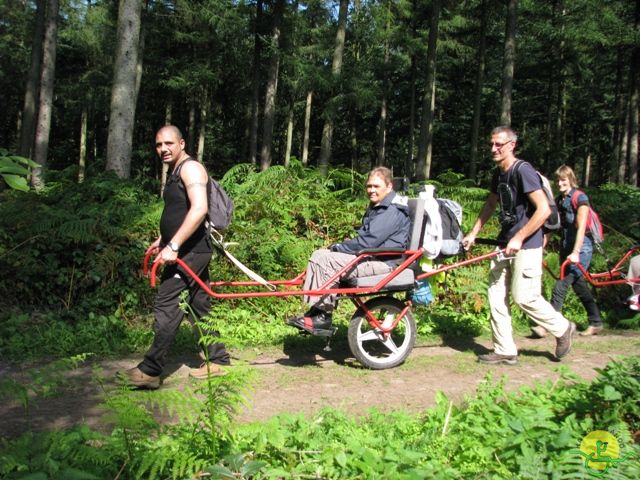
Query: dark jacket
point(386, 225)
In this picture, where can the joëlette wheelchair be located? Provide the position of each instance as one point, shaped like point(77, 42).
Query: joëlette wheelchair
point(382, 331)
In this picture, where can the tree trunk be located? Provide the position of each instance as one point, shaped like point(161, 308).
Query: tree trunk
point(634, 110)
point(32, 88)
point(307, 127)
point(509, 62)
point(255, 86)
point(191, 129)
point(382, 122)
point(204, 113)
point(82, 161)
point(45, 108)
point(423, 169)
point(287, 153)
point(123, 91)
point(618, 125)
point(168, 116)
point(272, 88)
point(477, 98)
point(336, 68)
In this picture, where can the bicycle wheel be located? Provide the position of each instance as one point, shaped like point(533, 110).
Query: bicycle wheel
point(371, 347)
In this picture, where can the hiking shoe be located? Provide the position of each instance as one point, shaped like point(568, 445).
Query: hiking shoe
point(494, 358)
point(591, 330)
point(317, 324)
point(206, 370)
point(538, 332)
point(138, 378)
point(565, 342)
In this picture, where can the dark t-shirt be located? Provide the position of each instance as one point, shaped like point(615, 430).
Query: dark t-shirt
point(176, 206)
point(527, 182)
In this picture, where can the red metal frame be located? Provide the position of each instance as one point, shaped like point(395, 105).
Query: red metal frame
point(353, 292)
point(614, 276)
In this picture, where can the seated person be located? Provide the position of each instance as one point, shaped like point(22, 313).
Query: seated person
point(634, 272)
point(386, 224)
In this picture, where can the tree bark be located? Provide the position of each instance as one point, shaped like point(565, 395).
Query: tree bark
point(255, 86)
point(204, 113)
point(271, 90)
point(164, 171)
point(477, 98)
point(509, 62)
point(123, 90)
point(287, 153)
point(634, 110)
point(82, 161)
point(423, 169)
point(45, 108)
point(382, 122)
point(32, 88)
point(307, 127)
point(336, 69)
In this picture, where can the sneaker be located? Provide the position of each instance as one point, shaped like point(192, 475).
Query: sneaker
point(316, 324)
point(591, 330)
point(539, 332)
point(494, 358)
point(138, 378)
point(206, 370)
point(565, 342)
point(634, 302)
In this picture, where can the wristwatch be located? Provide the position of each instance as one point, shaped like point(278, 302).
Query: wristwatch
point(173, 246)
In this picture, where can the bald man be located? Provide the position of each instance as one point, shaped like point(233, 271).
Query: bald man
point(182, 235)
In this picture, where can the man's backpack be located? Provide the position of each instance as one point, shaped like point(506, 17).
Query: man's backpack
point(441, 232)
point(594, 225)
point(451, 217)
point(508, 206)
point(219, 204)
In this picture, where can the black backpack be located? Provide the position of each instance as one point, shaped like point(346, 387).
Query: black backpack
point(508, 205)
point(220, 205)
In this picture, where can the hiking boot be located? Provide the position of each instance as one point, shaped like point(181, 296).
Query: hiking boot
point(207, 369)
point(317, 323)
point(494, 358)
point(565, 342)
point(591, 330)
point(138, 378)
point(538, 332)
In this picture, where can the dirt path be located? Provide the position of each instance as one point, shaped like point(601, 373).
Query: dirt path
point(301, 377)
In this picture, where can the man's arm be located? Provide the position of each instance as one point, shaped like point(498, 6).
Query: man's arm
point(195, 179)
point(483, 217)
point(535, 223)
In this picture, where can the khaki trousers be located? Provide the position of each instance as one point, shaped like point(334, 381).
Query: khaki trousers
point(522, 277)
point(323, 264)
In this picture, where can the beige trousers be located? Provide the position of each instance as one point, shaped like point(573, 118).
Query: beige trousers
point(521, 276)
point(323, 264)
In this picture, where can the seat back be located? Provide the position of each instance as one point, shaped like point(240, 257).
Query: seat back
point(416, 214)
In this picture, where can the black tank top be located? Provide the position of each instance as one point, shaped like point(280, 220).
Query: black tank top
point(176, 206)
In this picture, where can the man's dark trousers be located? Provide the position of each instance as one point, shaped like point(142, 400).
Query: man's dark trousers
point(169, 316)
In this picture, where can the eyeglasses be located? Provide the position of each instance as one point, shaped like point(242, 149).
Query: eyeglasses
point(499, 145)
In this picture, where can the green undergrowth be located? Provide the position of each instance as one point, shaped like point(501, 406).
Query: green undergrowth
point(71, 258)
point(534, 433)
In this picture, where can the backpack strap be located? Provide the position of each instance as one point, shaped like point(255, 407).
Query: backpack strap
point(574, 199)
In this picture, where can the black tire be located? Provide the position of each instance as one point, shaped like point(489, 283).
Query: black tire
point(370, 346)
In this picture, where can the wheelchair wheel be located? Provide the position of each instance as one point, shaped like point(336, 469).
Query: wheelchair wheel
point(370, 346)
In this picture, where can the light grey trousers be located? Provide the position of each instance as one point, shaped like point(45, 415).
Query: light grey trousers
point(323, 264)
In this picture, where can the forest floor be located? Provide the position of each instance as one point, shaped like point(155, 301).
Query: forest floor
point(302, 377)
